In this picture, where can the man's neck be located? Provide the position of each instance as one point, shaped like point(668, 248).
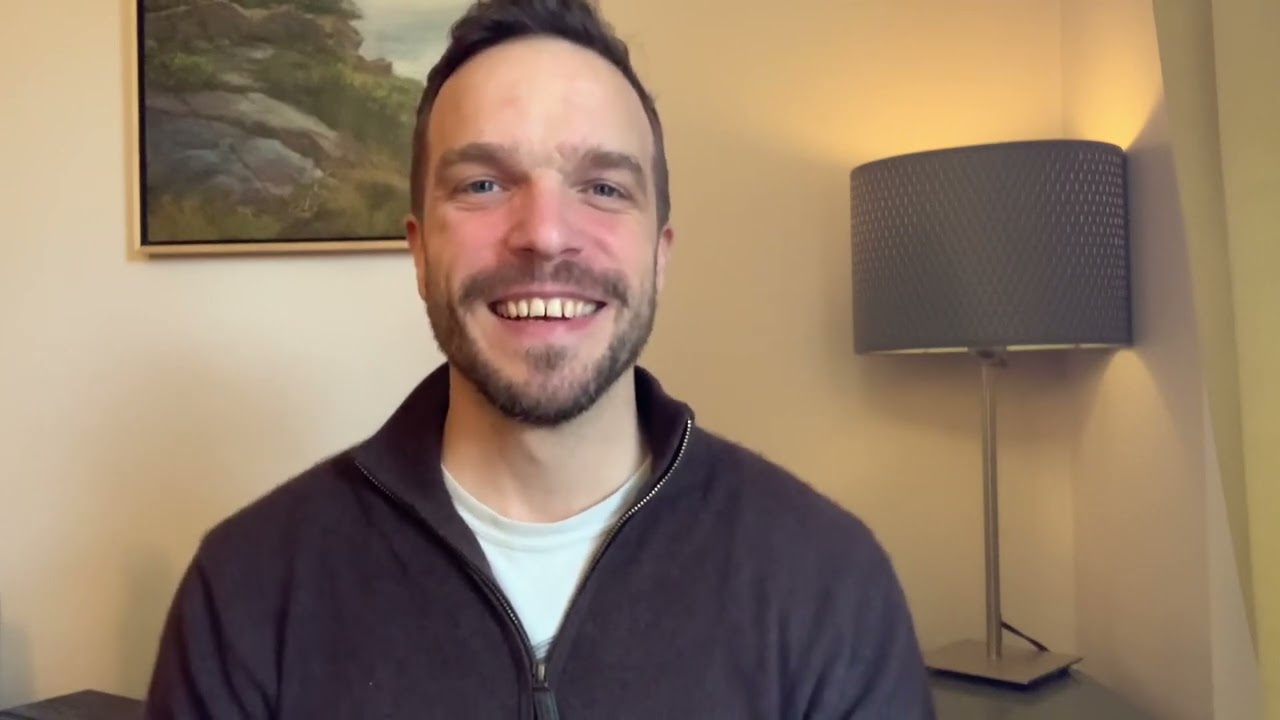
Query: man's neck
point(542, 474)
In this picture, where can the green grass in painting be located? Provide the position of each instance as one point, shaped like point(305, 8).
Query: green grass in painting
point(364, 193)
point(178, 71)
point(201, 216)
point(375, 111)
point(315, 7)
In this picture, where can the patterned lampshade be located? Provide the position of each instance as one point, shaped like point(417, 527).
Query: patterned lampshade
point(1018, 245)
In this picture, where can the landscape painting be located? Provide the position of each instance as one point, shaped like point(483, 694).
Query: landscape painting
point(280, 124)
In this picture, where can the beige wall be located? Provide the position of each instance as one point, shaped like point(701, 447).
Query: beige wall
point(1160, 612)
point(1219, 57)
point(143, 401)
point(1237, 676)
point(1245, 60)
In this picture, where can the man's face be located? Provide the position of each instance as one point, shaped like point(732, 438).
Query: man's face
point(538, 253)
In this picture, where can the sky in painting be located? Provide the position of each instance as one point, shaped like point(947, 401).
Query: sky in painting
point(409, 33)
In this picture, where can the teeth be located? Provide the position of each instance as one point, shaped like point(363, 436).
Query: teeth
point(546, 307)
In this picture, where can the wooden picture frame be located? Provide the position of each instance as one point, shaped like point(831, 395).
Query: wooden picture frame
point(276, 126)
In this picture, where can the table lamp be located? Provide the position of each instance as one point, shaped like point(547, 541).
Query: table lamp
point(987, 250)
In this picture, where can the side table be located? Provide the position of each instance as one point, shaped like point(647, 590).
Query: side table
point(83, 705)
point(1070, 697)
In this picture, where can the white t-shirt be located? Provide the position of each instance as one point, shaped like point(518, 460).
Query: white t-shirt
point(538, 565)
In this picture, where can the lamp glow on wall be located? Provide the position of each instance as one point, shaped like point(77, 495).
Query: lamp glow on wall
point(987, 250)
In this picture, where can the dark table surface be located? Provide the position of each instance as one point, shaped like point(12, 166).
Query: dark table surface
point(84, 705)
point(1074, 696)
point(1071, 697)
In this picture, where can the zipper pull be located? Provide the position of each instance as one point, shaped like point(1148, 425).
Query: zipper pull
point(544, 698)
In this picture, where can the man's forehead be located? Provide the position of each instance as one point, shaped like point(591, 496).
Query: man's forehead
point(544, 96)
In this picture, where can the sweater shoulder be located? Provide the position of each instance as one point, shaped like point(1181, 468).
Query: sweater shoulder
point(756, 480)
point(785, 509)
point(285, 519)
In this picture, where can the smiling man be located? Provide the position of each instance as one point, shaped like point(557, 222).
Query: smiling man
point(540, 531)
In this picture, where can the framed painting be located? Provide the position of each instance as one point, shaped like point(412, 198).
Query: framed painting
point(278, 125)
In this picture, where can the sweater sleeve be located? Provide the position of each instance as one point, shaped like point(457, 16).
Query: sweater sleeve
point(873, 668)
point(199, 672)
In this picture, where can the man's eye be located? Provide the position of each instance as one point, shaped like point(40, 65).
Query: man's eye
point(606, 190)
point(480, 187)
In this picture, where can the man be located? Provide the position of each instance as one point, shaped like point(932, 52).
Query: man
point(539, 531)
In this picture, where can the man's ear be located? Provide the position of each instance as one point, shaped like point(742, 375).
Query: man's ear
point(417, 242)
point(665, 239)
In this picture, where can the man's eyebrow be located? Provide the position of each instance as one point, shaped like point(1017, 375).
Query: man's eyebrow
point(597, 159)
point(480, 153)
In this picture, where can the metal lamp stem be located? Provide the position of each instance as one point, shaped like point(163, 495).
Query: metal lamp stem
point(991, 518)
point(990, 660)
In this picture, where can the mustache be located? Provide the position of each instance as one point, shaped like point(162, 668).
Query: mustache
point(483, 286)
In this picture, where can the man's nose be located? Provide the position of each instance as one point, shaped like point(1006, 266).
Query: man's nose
point(541, 225)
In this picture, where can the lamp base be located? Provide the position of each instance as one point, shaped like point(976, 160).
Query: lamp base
point(1016, 666)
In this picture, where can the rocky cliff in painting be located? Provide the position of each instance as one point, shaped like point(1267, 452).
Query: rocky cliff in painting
point(262, 121)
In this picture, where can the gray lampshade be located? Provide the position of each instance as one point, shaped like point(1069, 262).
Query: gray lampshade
point(1019, 245)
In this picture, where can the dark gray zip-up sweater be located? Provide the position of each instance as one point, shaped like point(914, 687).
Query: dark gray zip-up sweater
point(729, 590)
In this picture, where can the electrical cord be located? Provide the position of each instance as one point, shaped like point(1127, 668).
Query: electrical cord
point(1034, 643)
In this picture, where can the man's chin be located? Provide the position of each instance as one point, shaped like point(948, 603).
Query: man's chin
point(544, 366)
point(539, 404)
point(543, 384)
point(529, 391)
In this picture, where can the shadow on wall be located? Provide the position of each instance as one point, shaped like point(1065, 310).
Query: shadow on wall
point(149, 586)
point(16, 682)
point(180, 438)
point(1163, 309)
point(1144, 598)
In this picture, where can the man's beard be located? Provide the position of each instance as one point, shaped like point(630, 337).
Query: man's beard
point(544, 400)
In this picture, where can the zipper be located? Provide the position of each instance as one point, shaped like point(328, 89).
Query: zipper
point(492, 590)
point(544, 699)
point(608, 538)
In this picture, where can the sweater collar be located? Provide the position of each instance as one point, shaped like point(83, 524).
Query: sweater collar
point(403, 456)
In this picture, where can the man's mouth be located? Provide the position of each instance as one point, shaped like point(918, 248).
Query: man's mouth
point(544, 308)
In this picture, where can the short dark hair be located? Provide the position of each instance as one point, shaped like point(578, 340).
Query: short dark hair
point(488, 23)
